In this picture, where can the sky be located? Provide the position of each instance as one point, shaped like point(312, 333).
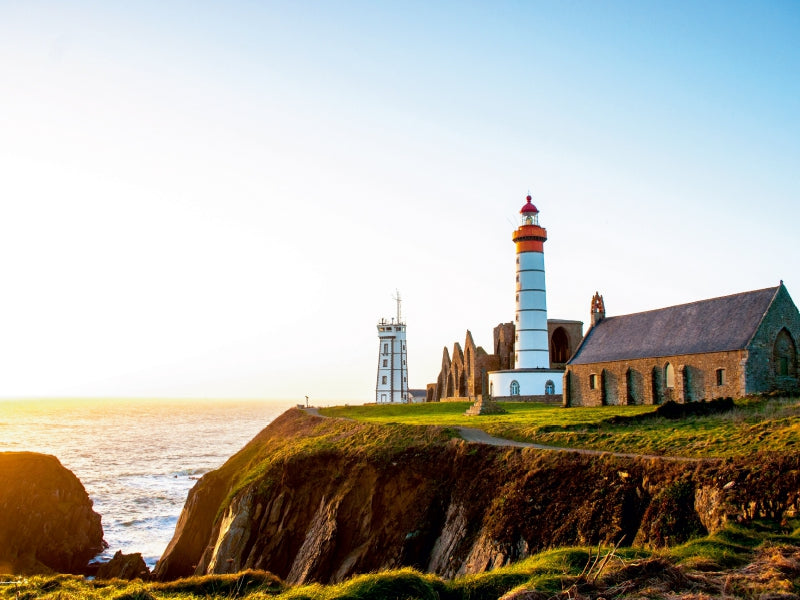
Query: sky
point(219, 200)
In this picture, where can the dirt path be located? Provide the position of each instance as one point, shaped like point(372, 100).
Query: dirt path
point(472, 435)
point(478, 436)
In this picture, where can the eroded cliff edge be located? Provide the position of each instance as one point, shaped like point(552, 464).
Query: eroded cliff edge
point(314, 499)
point(46, 518)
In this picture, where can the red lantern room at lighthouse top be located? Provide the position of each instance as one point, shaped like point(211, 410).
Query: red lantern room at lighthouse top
point(529, 236)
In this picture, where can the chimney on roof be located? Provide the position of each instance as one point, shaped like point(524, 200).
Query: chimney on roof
point(598, 309)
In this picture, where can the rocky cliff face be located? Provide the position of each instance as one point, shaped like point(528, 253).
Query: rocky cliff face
point(324, 513)
point(46, 517)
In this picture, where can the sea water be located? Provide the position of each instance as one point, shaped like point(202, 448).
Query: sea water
point(137, 459)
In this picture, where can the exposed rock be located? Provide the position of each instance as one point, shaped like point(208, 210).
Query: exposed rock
point(124, 566)
point(446, 507)
point(46, 518)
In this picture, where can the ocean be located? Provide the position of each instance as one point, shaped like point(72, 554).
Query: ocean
point(137, 459)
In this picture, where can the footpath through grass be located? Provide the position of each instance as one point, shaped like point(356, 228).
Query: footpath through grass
point(753, 425)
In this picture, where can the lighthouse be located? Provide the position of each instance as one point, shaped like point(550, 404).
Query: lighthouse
point(392, 382)
point(531, 378)
point(531, 340)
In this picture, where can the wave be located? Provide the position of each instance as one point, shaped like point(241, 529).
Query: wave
point(190, 472)
point(138, 461)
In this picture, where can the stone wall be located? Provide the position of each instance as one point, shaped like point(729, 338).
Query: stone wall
point(776, 338)
point(564, 338)
point(545, 399)
point(464, 376)
point(430, 393)
point(503, 337)
point(644, 380)
point(770, 362)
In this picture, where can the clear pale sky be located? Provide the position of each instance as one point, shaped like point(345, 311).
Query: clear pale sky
point(219, 199)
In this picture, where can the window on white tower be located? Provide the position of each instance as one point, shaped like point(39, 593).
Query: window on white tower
point(385, 362)
point(386, 348)
point(383, 379)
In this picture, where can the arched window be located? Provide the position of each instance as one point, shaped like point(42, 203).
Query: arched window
point(559, 346)
point(549, 388)
point(669, 375)
point(515, 388)
point(784, 354)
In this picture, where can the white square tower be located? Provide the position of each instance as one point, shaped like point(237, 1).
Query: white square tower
point(392, 382)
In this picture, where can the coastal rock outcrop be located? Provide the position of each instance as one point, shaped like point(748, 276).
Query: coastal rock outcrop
point(124, 566)
point(46, 518)
point(308, 501)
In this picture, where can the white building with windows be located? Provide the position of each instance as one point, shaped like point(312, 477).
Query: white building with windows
point(392, 381)
point(531, 377)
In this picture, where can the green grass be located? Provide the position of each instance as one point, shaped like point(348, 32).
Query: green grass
point(734, 545)
point(765, 425)
point(551, 572)
point(316, 438)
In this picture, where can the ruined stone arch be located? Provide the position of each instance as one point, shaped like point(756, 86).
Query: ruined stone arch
point(457, 369)
point(784, 354)
point(559, 346)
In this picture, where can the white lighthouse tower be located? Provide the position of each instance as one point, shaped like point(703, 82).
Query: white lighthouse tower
point(530, 343)
point(531, 375)
point(392, 382)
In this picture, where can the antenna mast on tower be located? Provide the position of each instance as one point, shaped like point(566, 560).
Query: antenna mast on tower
point(397, 299)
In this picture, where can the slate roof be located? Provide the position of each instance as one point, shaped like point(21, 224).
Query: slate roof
point(715, 325)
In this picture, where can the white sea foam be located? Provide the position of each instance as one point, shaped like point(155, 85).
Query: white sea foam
point(137, 458)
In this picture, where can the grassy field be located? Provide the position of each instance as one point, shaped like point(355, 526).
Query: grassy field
point(758, 424)
point(592, 571)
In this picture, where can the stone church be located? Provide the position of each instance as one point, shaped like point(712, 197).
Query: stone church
point(730, 346)
point(463, 374)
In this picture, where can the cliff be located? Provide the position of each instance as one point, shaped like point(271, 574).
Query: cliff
point(314, 499)
point(46, 517)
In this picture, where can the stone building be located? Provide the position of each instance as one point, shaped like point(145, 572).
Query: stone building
point(730, 346)
point(463, 374)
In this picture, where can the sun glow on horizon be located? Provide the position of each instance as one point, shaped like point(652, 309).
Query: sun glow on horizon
point(220, 203)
